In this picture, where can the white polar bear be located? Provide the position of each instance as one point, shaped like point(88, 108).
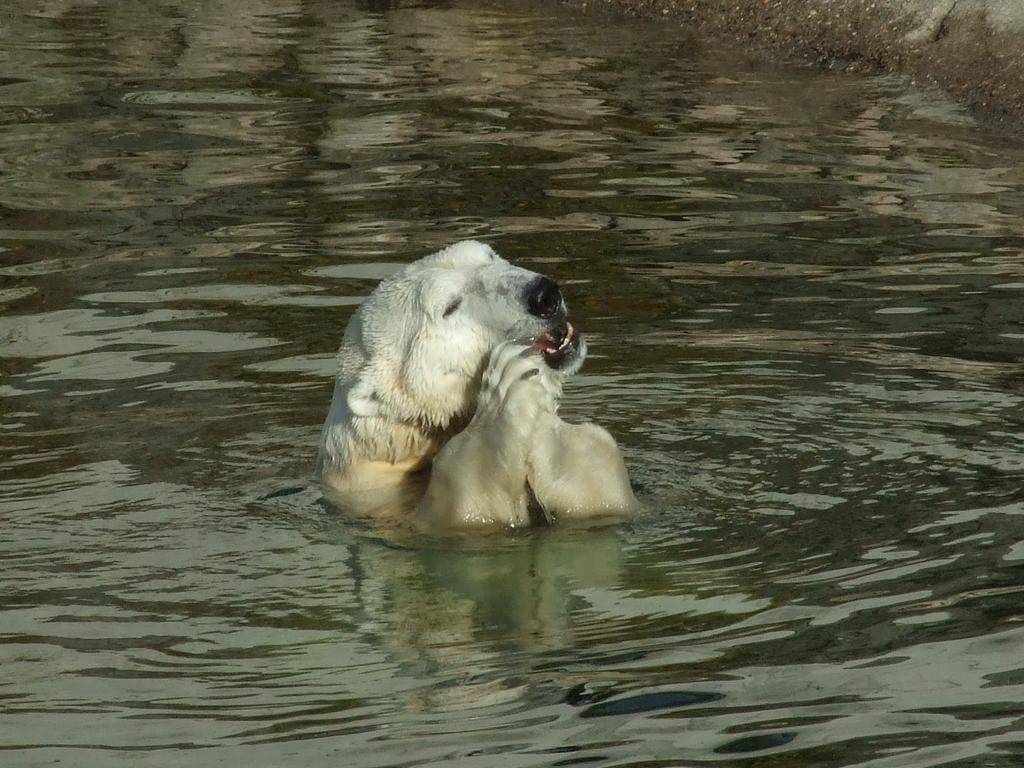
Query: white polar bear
point(446, 401)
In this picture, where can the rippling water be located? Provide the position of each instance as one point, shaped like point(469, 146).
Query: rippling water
point(803, 292)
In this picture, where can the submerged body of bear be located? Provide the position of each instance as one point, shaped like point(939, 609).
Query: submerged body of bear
point(445, 403)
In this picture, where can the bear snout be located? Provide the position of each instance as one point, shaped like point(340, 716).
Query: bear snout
point(543, 297)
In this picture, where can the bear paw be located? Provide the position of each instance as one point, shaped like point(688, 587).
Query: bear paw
point(517, 389)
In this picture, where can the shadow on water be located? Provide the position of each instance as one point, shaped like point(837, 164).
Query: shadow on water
point(802, 296)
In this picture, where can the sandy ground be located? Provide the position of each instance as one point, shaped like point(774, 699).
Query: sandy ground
point(972, 48)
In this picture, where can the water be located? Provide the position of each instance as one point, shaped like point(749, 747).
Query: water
point(803, 295)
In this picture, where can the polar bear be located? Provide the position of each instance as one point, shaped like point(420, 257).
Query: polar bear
point(445, 401)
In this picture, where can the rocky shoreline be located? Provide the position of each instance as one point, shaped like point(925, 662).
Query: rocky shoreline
point(974, 49)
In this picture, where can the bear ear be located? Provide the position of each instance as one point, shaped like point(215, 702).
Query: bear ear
point(362, 400)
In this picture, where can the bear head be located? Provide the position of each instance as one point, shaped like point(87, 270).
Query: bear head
point(415, 350)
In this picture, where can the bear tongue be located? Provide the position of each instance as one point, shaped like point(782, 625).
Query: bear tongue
point(546, 342)
point(553, 340)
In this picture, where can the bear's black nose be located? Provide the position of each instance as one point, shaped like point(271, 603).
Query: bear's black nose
point(543, 297)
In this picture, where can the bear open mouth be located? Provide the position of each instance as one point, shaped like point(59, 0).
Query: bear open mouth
point(558, 344)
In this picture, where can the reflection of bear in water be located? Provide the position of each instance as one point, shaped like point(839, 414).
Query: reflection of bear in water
point(449, 376)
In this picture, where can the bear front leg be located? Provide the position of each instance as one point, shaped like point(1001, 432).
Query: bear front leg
point(480, 476)
point(577, 472)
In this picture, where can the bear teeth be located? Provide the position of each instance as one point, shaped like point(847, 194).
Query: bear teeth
point(567, 338)
point(557, 340)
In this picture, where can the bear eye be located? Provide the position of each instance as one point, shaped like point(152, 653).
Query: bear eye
point(452, 306)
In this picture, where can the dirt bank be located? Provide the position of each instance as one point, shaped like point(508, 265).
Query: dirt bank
point(972, 48)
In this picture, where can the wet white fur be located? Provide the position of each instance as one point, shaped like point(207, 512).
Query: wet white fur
point(462, 397)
